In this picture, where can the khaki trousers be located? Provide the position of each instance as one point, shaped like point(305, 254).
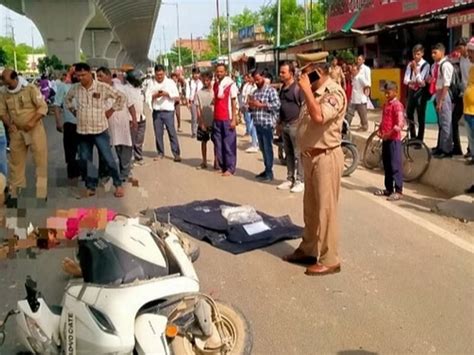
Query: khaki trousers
point(20, 141)
point(322, 177)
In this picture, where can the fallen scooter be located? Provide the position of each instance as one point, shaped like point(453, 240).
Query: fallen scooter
point(140, 295)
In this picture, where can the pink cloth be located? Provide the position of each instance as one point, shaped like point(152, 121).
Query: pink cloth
point(72, 224)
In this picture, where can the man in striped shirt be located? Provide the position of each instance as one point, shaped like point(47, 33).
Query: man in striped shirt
point(92, 115)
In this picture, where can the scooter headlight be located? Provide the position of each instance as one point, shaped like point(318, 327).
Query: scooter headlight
point(38, 340)
point(35, 330)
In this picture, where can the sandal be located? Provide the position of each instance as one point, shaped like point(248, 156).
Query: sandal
point(382, 193)
point(396, 196)
point(119, 193)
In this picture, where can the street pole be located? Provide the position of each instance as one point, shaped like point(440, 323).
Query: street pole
point(229, 44)
point(164, 47)
point(278, 24)
point(179, 38)
point(218, 27)
point(192, 49)
point(306, 22)
point(14, 49)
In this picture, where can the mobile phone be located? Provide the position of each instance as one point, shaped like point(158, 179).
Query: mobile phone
point(313, 76)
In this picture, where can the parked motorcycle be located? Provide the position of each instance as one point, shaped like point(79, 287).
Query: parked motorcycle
point(140, 295)
point(351, 154)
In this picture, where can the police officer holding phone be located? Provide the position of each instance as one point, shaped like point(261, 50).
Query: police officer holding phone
point(319, 138)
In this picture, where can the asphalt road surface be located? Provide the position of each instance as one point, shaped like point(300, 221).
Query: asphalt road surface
point(406, 284)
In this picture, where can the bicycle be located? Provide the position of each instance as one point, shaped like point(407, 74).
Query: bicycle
point(416, 154)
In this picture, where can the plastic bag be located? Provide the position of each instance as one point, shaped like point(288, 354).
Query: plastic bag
point(240, 215)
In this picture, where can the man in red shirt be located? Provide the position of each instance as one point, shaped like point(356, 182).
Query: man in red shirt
point(225, 121)
point(393, 119)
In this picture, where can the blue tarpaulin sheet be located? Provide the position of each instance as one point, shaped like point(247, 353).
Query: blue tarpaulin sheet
point(203, 220)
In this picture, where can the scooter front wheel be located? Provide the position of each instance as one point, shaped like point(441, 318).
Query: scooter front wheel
point(235, 326)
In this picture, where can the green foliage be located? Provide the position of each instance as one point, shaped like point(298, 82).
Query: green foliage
point(49, 64)
point(173, 57)
point(292, 22)
point(3, 58)
point(9, 48)
point(346, 55)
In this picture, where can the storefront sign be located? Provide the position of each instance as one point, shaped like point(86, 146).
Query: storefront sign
point(461, 18)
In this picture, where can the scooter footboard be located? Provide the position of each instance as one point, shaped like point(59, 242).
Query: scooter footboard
point(150, 330)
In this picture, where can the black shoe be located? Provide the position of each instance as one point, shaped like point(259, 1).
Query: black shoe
point(177, 159)
point(12, 202)
point(418, 146)
point(467, 155)
point(457, 153)
point(470, 190)
point(261, 175)
point(435, 151)
point(267, 178)
point(443, 155)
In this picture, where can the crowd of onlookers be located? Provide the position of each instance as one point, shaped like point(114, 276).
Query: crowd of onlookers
point(100, 109)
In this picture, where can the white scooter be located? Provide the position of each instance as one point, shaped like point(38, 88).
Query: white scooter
point(140, 295)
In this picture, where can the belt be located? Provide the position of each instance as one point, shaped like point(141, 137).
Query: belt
point(314, 152)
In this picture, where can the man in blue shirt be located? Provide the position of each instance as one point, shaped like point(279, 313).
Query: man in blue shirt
point(68, 128)
point(264, 105)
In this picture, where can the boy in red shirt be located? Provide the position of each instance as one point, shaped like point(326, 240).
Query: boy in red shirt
point(393, 120)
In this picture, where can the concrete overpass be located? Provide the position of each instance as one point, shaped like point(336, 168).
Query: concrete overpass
point(109, 32)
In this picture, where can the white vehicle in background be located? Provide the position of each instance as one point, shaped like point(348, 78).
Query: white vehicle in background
point(144, 298)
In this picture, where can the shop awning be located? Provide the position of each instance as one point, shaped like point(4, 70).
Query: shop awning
point(348, 26)
point(244, 53)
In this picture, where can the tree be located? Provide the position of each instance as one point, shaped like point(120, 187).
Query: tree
point(173, 57)
point(9, 48)
point(3, 58)
point(48, 65)
point(245, 19)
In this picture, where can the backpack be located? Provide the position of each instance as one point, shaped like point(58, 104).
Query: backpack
point(456, 86)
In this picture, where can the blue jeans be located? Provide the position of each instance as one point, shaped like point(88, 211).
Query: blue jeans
point(445, 134)
point(86, 147)
point(3, 155)
point(250, 128)
point(265, 141)
point(470, 131)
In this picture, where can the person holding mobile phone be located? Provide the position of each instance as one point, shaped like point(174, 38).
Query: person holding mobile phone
point(319, 139)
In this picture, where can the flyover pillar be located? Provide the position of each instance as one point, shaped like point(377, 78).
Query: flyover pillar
point(112, 52)
point(121, 58)
point(94, 45)
point(61, 24)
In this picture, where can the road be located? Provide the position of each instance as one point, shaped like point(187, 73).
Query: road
point(406, 284)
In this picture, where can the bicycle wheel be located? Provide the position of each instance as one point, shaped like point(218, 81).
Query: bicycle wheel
point(373, 152)
point(416, 159)
point(351, 159)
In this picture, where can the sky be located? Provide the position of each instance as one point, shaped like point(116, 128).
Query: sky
point(195, 19)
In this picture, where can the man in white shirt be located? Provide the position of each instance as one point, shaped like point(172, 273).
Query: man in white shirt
point(361, 82)
point(442, 74)
point(133, 84)
point(416, 74)
point(163, 93)
point(195, 84)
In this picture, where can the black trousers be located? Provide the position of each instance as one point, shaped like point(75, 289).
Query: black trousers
point(392, 165)
point(71, 149)
point(457, 115)
point(417, 103)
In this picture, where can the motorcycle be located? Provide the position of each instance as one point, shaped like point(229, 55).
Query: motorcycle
point(351, 154)
point(140, 295)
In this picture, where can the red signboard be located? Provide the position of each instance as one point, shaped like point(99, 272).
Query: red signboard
point(381, 11)
point(461, 18)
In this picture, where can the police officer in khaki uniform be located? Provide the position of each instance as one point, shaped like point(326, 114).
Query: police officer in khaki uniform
point(22, 109)
point(319, 138)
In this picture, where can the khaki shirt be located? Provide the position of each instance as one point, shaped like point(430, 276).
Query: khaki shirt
point(23, 106)
point(325, 135)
